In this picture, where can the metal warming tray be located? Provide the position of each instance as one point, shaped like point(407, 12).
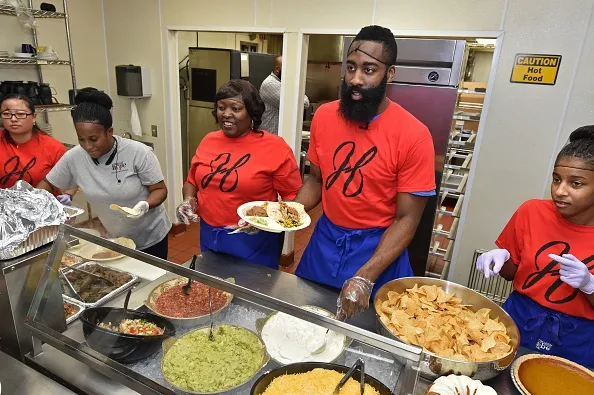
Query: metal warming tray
point(78, 304)
point(110, 295)
point(40, 237)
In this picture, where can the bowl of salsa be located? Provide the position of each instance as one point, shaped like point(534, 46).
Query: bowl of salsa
point(169, 301)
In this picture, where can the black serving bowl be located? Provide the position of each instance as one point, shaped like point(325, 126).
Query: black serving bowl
point(121, 347)
point(303, 367)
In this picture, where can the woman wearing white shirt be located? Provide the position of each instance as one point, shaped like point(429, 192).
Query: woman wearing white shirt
point(110, 169)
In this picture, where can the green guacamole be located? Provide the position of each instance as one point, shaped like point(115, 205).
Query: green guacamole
point(197, 364)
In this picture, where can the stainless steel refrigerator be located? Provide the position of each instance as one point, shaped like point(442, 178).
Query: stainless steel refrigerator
point(209, 69)
point(428, 73)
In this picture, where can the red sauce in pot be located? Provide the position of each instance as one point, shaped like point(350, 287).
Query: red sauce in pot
point(174, 303)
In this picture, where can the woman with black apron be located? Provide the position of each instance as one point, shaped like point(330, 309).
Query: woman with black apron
point(547, 250)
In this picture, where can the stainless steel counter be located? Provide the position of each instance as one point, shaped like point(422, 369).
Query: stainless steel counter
point(17, 378)
point(18, 280)
point(277, 284)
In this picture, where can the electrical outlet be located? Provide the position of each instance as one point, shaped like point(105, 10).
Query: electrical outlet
point(154, 130)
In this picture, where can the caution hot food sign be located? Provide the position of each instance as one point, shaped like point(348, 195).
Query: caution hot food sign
point(536, 69)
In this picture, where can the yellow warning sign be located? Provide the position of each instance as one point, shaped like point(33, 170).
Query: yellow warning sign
point(536, 69)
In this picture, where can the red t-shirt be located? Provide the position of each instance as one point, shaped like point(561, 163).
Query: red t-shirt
point(30, 161)
point(229, 172)
point(535, 231)
point(364, 170)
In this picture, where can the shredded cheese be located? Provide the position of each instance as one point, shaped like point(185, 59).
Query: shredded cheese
point(315, 382)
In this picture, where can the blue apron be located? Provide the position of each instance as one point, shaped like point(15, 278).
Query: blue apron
point(334, 254)
point(552, 332)
point(262, 248)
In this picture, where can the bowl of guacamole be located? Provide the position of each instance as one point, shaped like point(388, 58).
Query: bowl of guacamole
point(195, 364)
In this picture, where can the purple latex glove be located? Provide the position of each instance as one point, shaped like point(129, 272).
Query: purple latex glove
point(495, 257)
point(575, 273)
point(65, 199)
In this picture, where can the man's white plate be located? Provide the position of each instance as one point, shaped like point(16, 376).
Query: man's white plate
point(271, 225)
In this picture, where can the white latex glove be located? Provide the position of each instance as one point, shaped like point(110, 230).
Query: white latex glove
point(65, 199)
point(186, 212)
point(575, 273)
point(141, 208)
point(495, 257)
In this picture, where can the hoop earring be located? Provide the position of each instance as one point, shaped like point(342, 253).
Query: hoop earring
point(252, 125)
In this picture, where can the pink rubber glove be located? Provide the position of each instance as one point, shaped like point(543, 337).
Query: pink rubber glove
point(495, 257)
point(575, 273)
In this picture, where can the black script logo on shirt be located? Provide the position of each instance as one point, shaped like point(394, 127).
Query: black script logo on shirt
point(551, 270)
point(11, 168)
point(220, 165)
point(355, 176)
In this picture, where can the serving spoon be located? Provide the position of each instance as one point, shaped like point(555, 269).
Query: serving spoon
point(210, 334)
point(186, 288)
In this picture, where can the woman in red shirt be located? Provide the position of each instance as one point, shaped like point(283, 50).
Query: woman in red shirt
point(26, 152)
point(547, 250)
point(236, 165)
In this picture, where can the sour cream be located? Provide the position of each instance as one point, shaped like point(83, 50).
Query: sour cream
point(290, 340)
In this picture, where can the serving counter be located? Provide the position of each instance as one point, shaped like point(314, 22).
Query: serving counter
point(258, 291)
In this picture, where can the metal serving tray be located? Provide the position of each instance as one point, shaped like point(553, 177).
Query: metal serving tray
point(40, 237)
point(110, 295)
point(78, 304)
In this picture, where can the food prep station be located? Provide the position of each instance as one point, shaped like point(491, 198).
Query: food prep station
point(60, 351)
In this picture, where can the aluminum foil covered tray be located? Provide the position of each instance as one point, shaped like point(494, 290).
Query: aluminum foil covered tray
point(29, 218)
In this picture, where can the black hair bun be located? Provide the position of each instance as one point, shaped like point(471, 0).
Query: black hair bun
point(582, 133)
point(92, 95)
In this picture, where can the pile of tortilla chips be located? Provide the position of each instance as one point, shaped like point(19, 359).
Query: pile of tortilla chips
point(429, 317)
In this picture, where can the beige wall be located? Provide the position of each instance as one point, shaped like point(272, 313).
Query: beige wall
point(520, 133)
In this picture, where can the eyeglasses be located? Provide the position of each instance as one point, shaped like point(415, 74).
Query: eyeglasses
point(18, 115)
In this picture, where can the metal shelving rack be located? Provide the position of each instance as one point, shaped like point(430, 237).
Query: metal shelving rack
point(20, 62)
point(453, 183)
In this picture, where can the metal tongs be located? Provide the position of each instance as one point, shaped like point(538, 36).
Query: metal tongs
point(186, 288)
point(70, 286)
point(358, 364)
point(91, 274)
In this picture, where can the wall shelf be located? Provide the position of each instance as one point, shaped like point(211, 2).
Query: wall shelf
point(32, 61)
point(10, 10)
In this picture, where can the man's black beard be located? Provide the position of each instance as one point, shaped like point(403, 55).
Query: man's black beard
point(364, 109)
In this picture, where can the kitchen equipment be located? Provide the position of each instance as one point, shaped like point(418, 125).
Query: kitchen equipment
point(47, 7)
point(426, 84)
point(210, 334)
point(261, 323)
point(75, 269)
point(264, 381)
point(358, 364)
point(28, 48)
point(112, 294)
point(75, 316)
point(182, 322)
point(433, 366)
point(45, 93)
point(121, 347)
point(186, 288)
point(169, 343)
point(39, 237)
point(209, 68)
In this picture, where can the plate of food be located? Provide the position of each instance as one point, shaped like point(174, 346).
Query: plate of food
point(537, 374)
point(275, 217)
point(93, 252)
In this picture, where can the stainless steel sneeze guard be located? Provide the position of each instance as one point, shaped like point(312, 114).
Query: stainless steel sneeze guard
point(408, 355)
